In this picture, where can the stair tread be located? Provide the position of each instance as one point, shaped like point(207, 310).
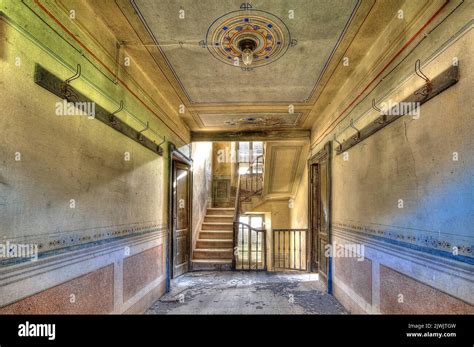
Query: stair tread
point(213, 249)
point(223, 261)
point(226, 232)
point(214, 240)
point(217, 223)
point(221, 208)
point(219, 215)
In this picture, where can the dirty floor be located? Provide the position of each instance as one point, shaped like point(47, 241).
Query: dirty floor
point(230, 292)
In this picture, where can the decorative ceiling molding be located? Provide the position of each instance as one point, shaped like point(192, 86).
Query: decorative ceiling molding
point(366, 33)
point(193, 72)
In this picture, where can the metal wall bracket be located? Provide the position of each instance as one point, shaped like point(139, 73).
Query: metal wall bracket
point(58, 87)
point(443, 81)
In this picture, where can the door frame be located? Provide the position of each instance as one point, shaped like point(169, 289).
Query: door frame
point(175, 156)
point(324, 154)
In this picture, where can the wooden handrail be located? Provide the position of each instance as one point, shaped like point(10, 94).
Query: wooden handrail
point(237, 201)
point(258, 230)
point(235, 225)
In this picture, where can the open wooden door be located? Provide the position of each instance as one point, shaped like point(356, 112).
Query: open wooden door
point(181, 234)
point(320, 212)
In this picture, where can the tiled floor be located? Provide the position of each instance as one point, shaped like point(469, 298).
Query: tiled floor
point(230, 292)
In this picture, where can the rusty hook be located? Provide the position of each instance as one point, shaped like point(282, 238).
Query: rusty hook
point(119, 109)
point(428, 86)
point(146, 128)
point(75, 76)
point(383, 117)
point(358, 131)
point(375, 106)
point(340, 144)
point(164, 140)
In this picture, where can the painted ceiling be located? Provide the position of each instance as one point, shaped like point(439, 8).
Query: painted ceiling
point(295, 41)
point(184, 54)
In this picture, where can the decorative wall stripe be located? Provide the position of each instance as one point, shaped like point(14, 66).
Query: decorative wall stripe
point(415, 240)
point(20, 281)
point(64, 242)
point(446, 275)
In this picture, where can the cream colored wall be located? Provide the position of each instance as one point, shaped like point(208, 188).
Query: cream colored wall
point(410, 160)
point(279, 213)
point(221, 165)
point(66, 180)
point(299, 213)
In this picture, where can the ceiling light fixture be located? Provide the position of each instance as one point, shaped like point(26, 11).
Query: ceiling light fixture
point(247, 47)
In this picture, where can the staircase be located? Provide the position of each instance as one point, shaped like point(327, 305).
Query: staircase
point(214, 244)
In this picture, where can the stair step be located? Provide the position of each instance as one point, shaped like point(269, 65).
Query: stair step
point(220, 211)
point(217, 226)
point(213, 261)
point(217, 218)
point(211, 264)
point(213, 253)
point(214, 243)
point(216, 234)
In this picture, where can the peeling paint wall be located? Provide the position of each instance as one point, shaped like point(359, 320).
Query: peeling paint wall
point(406, 193)
point(72, 185)
point(299, 212)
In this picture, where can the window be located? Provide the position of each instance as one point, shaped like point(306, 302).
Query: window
point(247, 155)
point(254, 220)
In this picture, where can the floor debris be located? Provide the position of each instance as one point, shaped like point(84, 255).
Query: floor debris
point(233, 292)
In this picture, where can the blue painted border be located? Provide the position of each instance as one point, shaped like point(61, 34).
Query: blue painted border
point(432, 251)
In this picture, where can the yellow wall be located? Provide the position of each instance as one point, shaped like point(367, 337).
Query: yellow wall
point(67, 181)
point(410, 160)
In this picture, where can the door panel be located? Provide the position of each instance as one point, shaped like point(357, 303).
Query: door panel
point(320, 209)
point(324, 218)
point(314, 218)
point(181, 230)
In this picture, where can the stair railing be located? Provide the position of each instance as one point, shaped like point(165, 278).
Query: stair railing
point(252, 252)
point(253, 179)
point(253, 182)
point(236, 225)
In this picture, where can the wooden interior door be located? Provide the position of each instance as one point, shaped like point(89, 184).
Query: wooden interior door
point(320, 210)
point(181, 219)
point(314, 216)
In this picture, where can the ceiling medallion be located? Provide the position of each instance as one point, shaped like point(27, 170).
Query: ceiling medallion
point(248, 38)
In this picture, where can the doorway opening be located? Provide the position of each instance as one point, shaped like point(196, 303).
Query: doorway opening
point(320, 213)
point(180, 217)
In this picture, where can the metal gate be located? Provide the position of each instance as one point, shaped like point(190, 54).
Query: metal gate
point(249, 253)
point(289, 249)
